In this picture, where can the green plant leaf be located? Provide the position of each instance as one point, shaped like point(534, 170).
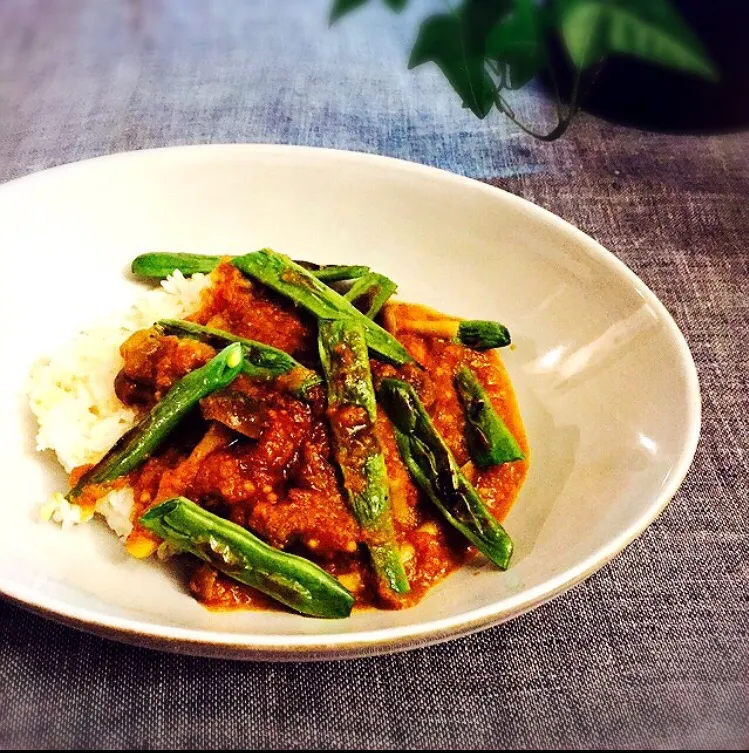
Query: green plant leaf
point(479, 18)
point(651, 30)
point(342, 7)
point(396, 5)
point(518, 41)
point(442, 39)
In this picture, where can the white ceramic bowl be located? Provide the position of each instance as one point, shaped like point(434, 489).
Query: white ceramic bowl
point(605, 382)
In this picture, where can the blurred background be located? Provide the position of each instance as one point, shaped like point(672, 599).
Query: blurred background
point(98, 77)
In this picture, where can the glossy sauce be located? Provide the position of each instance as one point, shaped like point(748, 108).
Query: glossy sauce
point(277, 475)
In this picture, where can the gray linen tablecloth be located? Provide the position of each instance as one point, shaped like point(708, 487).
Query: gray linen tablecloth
point(651, 651)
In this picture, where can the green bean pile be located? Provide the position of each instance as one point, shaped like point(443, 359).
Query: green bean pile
point(347, 336)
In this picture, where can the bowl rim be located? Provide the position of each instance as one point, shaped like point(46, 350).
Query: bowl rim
point(284, 647)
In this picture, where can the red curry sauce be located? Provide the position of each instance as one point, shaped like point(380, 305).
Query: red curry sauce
point(273, 471)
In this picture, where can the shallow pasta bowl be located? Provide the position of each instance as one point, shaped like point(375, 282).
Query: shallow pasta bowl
point(604, 379)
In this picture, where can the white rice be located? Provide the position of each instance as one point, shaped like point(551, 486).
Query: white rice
point(115, 508)
point(72, 394)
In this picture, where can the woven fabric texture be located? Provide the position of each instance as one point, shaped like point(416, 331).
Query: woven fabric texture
point(650, 652)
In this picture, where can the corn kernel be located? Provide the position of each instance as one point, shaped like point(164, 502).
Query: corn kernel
point(350, 581)
point(140, 548)
point(430, 528)
point(407, 553)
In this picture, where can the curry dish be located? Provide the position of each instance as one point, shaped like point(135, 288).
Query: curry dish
point(295, 458)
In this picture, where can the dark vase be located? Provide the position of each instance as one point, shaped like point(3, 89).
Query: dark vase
point(628, 91)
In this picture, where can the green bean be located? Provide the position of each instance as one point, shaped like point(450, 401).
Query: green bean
point(286, 277)
point(435, 470)
point(160, 264)
point(352, 411)
point(261, 361)
point(334, 272)
point(478, 335)
point(483, 335)
point(489, 440)
point(373, 287)
point(294, 581)
point(137, 445)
